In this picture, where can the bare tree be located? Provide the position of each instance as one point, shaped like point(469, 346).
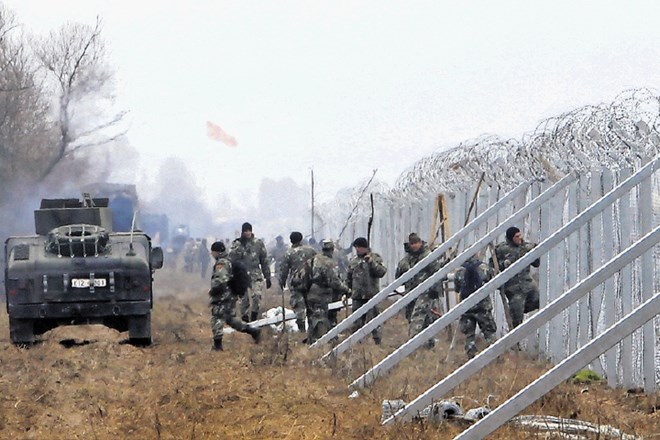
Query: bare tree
point(24, 128)
point(74, 59)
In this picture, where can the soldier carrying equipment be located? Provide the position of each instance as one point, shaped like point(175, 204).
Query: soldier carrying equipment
point(223, 298)
point(468, 279)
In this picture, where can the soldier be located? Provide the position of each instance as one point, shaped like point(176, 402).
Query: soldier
point(251, 251)
point(189, 255)
point(418, 312)
point(293, 259)
point(277, 252)
point(203, 257)
point(223, 299)
point(336, 294)
point(521, 291)
point(325, 282)
point(364, 272)
point(340, 256)
point(468, 278)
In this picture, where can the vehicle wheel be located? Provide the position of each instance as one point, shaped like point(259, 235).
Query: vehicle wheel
point(139, 330)
point(21, 331)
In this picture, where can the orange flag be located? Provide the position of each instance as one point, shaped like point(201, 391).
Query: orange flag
point(216, 133)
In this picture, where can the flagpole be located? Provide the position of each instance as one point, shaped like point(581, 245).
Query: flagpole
point(312, 233)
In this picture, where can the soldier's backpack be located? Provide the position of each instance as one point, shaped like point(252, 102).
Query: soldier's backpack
point(240, 280)
point(473, 280)
point(301, 278)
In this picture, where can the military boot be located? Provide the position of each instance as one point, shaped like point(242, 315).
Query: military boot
point(217, 344)
point(301, 325)
point(253, 316)
point(245, 318)
point(255, 333)
point(471, 350)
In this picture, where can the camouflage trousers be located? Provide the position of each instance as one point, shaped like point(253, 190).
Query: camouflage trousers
point(482, 316)
point(251, 301)
point(223, 312)
point(409, 309)
point(421, 316)
point(319, 323)
point(332, 314)
point(521, 299)
point(297, 303)
point(371, 314)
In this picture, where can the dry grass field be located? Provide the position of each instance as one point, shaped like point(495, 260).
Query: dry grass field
point(85, 383)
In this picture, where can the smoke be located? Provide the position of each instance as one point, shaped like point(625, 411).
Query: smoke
point(20, 197)
point(178, 196)
point(283, 206)
point(279, 207)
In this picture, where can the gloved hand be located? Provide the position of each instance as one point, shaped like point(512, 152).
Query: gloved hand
point(506, 263)
point(344, 300)
point(269, 283)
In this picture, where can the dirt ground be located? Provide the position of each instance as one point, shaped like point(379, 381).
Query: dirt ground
point(85, 382)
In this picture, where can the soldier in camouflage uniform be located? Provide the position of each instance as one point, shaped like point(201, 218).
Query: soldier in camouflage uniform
point(203, 257)
point(277, 252)
point(251, 251)
point(325, 282)
point(363, 278)
point(468, 278)
point(418, 312)
point(340, 256)
point(292, 261)
point(521, 291)
point(223, 300)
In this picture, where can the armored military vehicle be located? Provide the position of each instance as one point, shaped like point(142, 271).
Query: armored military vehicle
point(77, 270)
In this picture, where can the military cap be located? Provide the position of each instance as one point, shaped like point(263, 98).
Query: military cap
point(361, 242)
point(295, 237)
point(511, 232)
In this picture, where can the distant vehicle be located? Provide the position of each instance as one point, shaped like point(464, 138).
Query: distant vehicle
point(180, 236)
point(157, 226)
point(122, 201)
point(78, 270)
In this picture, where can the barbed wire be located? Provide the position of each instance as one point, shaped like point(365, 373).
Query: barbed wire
point(612, 135)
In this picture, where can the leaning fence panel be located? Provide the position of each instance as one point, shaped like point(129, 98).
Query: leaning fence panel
point(484, 358)
point(635, 319)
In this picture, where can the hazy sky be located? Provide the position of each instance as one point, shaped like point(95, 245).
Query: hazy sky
point(346, 87)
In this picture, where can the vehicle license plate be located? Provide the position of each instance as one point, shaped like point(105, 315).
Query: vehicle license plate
point(82, 283)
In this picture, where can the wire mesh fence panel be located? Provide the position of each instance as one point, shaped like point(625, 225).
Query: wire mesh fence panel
point(603, 145)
